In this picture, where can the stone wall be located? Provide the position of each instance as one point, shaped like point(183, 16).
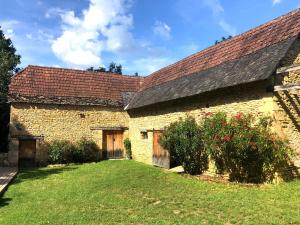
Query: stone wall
point(287, 103)
point(47, 123)
point(252, 98)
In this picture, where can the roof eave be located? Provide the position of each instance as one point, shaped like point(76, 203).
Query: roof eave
point(54, 100)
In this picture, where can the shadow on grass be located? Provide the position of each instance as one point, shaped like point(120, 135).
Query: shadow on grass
point(39, 173)
point(4, 201)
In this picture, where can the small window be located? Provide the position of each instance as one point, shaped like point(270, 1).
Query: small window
point(144, 135)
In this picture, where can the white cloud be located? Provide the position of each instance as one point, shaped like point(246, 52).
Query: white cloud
point(227, 27)
point(10, 33)
point(40, 35)
point(79, 48)
point(52, 12)
point(8, 27)
point(275, 2)
point(104, 26)
point(218, 12)
point(162, 29)
point(29, 36)
point(215, 6)
point(68, 17)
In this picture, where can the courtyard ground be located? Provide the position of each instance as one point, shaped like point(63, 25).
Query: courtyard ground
point(127, 192)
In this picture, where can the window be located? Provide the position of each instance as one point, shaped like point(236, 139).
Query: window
point(144, 135)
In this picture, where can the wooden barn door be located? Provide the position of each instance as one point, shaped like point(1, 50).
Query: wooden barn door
point(161, 156)
point(27, 151)
point(113, 144)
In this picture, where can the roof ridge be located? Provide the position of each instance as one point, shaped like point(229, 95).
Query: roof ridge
point(231, 39)
point(78, 70)
point(262, 36)
point(35, 81)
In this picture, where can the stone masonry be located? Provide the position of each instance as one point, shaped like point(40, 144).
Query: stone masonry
point(61, 122)
point(248, 99)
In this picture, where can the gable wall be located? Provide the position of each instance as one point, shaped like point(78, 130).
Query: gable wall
point(62, 122)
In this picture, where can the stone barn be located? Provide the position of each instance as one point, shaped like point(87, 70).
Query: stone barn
point(50, 104)
point(255, 72)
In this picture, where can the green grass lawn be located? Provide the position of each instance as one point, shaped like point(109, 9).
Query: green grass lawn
point(127, 192)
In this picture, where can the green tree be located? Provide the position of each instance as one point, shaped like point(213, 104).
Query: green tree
point(100, 69)
point(118, 69)
point(223, 39)
point(114, 68)
point(8, 66)
point(9, 61)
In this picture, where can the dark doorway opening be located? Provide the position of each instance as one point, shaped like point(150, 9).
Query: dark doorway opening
point(27, 153)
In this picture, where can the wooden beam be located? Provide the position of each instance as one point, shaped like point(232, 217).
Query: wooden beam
point(286, 69)
point(287, 87)
point(109, 128)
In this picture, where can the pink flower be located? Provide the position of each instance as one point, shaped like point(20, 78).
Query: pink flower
point(227, 138)
point(208, 114)
point(239, 115)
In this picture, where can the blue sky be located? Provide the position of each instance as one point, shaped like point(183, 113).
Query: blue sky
point(142, 35)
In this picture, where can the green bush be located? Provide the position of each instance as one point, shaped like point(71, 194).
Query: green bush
point(61, 151)
point(67, 152)
point(127, 145)
point(183, 139)
point(86, 151)
point(244, 147)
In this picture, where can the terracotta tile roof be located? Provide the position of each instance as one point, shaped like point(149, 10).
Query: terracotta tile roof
point(36, 81)
point(247, 57)
point(246, 43)
point(250, 68)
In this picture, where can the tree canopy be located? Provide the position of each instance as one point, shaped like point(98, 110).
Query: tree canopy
point(223, 39)
point(112, 68)
point(9, 61)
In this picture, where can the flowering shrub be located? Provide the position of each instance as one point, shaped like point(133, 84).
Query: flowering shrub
point(246, 149)
point(183, 139)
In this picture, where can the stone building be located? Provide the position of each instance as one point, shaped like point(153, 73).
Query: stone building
point(50, 104)
point(255, 72)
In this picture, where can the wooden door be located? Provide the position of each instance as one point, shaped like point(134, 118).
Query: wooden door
point(118, 144)
point(161, 156)
point(27, 151)
point(113, 146)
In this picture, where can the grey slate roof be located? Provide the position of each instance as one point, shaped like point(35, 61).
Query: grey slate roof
point(254, 67)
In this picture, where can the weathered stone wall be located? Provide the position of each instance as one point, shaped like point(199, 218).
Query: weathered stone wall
point(251, 98)
point(287, 103)
point(61, 122)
